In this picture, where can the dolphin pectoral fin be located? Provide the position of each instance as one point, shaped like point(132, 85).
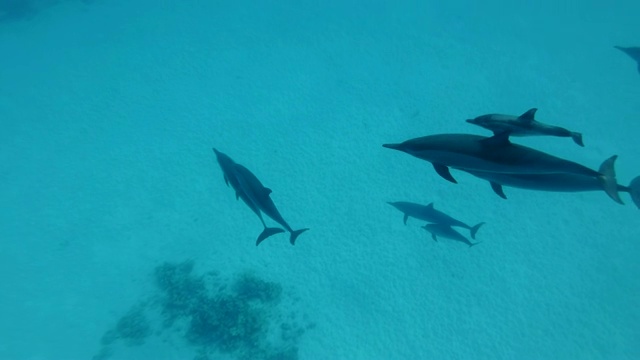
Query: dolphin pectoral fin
point(430, 206)
point(528, 116)
point(634, 191)
point(405, 218)
point(226, 180)
point(475, 229)
point(295, 234)
point(237, 195)
point(577, 138)
point(433, 236)
point(608, 179)
point(266, 233)
point(444, 172)
point(497, 188)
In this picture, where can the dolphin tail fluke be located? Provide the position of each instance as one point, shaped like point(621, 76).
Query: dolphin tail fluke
point(475, 229)
point(608, 178)
point(266, 233)
point(577, 138)
point(295, 234)
point(634, 188)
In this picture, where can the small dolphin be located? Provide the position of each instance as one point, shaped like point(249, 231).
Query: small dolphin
point(490, 154)
point(523, 125)
point(230, 178)
point(448, 232)
point(563, 182)
point(429, 214)
point(633, 52)
point(259, 195)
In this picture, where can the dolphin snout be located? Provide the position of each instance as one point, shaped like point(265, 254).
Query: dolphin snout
point(393, 146)
point(471, 121)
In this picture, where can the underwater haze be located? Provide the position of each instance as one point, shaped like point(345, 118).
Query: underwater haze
point(120, 240)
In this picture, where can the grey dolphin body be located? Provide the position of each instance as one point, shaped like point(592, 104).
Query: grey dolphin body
point(488, 154)
point(448, 232)
point(523, 125)
point(633, 52)
point(429, 214)
point(260, 196)
point(562, 182)
point(230, 178)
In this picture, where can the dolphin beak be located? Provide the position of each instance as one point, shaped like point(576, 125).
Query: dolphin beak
point(471, 121)
point(393, 146)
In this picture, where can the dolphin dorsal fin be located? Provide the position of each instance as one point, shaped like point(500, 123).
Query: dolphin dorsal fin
point(528, 116)
point(267, 191)
point(430, 206)
point(498, 139)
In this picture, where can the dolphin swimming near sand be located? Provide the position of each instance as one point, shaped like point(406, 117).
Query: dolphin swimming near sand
point(429, 214)
point(523, 125)
point(448, 232)
point(260, 196)
point(230, 178)
point(491, 154)
point(562, 182)
point(633, 52)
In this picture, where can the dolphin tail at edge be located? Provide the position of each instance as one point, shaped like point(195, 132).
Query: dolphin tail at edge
point(634, 191)
point(577, 138)
point(295, 234)
point(266, 233)
point(475, 229)
point(608, 178)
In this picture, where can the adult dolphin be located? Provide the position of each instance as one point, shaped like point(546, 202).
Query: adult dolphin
point(429, 214)
point(561, 182)
point(491, 154)
point(448, 232)
point(633, 52)
point(230, 178)
point(260, 196)
point(523, 125)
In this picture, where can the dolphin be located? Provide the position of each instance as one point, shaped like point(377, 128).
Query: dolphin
point(491, 154)
point(429, 214)
point(562, 182)
point(633, 52)
point(448, 232)
point(259, 195)
point(523, 125)
point(230, 178)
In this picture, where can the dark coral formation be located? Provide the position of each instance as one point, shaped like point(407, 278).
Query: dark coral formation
point(240, 318)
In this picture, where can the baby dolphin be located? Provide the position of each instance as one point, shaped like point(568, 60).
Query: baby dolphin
point(495, 154)
point(562, 182)
point(448, 232)
point(633, 52)
point(230, 178)
point(523, 125)
point(259, 195)
point(429, 214)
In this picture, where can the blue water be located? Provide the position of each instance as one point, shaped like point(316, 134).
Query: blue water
point(109, 111)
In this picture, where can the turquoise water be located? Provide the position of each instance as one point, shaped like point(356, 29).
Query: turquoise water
point(109, 111)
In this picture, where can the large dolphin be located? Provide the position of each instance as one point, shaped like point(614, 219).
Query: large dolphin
point(491, 154)
point(230, 178)
point(448, 232)
point(260, 196)
point(633, 52)
point(562, 182)
point(429, 214)
point(523, 125)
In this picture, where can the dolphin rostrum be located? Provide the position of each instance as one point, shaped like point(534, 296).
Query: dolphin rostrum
point(633, 52)
point(260, 196)
point(523, 125)
point(429, 214)
point(234, 176)
point(448, 232)
point(491, 154)
point(562, 182)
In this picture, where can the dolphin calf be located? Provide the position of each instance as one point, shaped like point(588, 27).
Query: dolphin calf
point(523, 125)
point(230, 178)
point(491, 154)
point(633, 52)
point(429, 214)
point(260, 196)
point(562, 182)
point(448, 232)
